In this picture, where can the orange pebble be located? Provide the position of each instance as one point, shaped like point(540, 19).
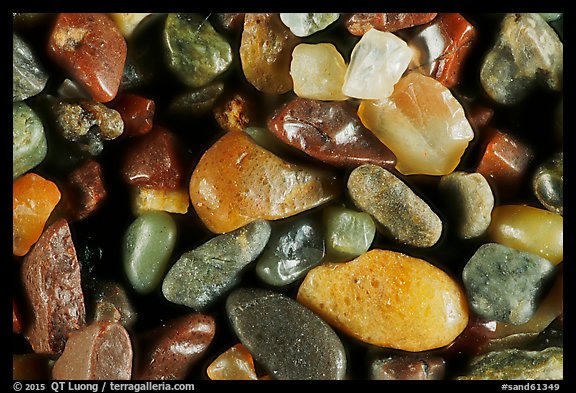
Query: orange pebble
point(33, 200)
point(236, 363)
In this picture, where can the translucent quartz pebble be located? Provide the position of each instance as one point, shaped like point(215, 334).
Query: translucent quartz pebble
point(128, 21)
point(318, 72)
point(257, 184)
point(305, 24)
point(201, 276)
point(147, 247)
point(286, 339)
point(422, 123)
point(377, 62)
point(359, 23)
point(349, 233)
point(235, 363)
point(470, 200)
point(407, 367)
point(29, 144)
point(388, 299)
point(505, 284)
point(171, 201)
point(195, 52)
point(527, 52)
point(399, 213)
point(28, 75)
point(529, 229)
point(548, 183)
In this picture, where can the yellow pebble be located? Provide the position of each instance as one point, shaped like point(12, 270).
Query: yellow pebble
point(388, 299)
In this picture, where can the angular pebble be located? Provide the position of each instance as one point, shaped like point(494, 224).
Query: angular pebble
point(287, 339)
point(306, 24)
point(470, 200)
point(548, 183)
point(90, 48)
point(407, 367)
point(195, 52)
point(236, 363)
point(201, 276)
point(359, 24)
point(422, 123)
point(295, 246)
point(29, 146)
point(349, 233)
point(257, 185)
point(330, 132)
point(28, 75)
point(52, 283)
point(399, 213)
point(100, 351)
point(527, 52)
point(86, 190)
point(505, 284)
point(147, 247)
point(171, 201)
point(388, 299)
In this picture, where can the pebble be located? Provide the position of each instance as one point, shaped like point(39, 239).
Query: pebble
point(527, 52)
point(128, 21)
point(548, 183)
point(99, 351)
point(90, 48)
point(203, 275)
point(517, 364)
point(505, 284)
point(171, 350)
point(33, 200)
point(197, 101)
point(52, 284)
point(234, 112)
point(196, 53)
point(236, 364)
point(318, 72)
point(388, 299)
point(399, 213)
point(329, 132)
point(85, 189)
point(529, 229)
point(349, 233)
point(258, 185)
point(407, 367)
point(29, 146)
point(150, 199)
point(470, 201)
point(148, 244)
point(266, 52)
point(306, 24)
point(286, 339)
point(359, 23)
point(376, 64)
point(112, 304)
point(29, 77)
point(137, 113)
point(295, 246)
point(422, 123)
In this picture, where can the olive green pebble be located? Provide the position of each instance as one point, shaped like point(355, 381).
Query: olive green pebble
point(29, 145)
point(349, 233)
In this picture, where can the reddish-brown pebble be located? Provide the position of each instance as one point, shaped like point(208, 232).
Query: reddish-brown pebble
point(31, 366)
point(51, 278)
point(358, 24)
point(86, 189)
point(91, 49)
point(137, 113)
point(169, 352)
point(100, 351)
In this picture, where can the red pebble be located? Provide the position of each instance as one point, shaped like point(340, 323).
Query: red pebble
point(136, 111)
point(92, 50)
point(358, 24)
point(86, 189)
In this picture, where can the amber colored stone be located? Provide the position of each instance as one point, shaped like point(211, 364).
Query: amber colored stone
point(330, 132)
point(236, 363)
point(358, 24)
point(86, 189)
point(234, 113)
point(230, 20)
point(172, 201)
point(236, 182)
point(154, 161)
point(91, 49)
point(137, 113)
point(33, 200)
point(16, 317)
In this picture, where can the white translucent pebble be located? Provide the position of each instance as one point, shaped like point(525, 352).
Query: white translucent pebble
point(318, 71)
point(305, 24)
point(377, 63)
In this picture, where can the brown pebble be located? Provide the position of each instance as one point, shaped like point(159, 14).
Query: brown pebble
point(86, 189)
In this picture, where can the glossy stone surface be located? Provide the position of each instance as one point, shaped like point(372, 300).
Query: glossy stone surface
point(171, 201)
point(527, 53)
point(306, 24)
point(29, 146)
point(100, 351)
point(201, 276)
point(28, 75)
point(112, 304)
point(137, 113)
point(548, 183)
point(422, 123)
point(33, 200)
point(318, 72)
point(287, 339)
point(399, 213)
point(407, 367)
point(147, 247)
point(349, 233)
point(330, 132)
point(52, 284)
point(258, 184)
point(195, 52)
point(295, 246)
point(128, 21)
point(91, 50)
point(266, 52)
point(505, 284)
point(359, 23)
point(377, 62)
point(86, 189)
point(529, 229)
point(235, 363)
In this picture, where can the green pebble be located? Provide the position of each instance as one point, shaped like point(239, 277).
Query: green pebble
point(349, 233)
point(148, 245)
point(29, 145)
